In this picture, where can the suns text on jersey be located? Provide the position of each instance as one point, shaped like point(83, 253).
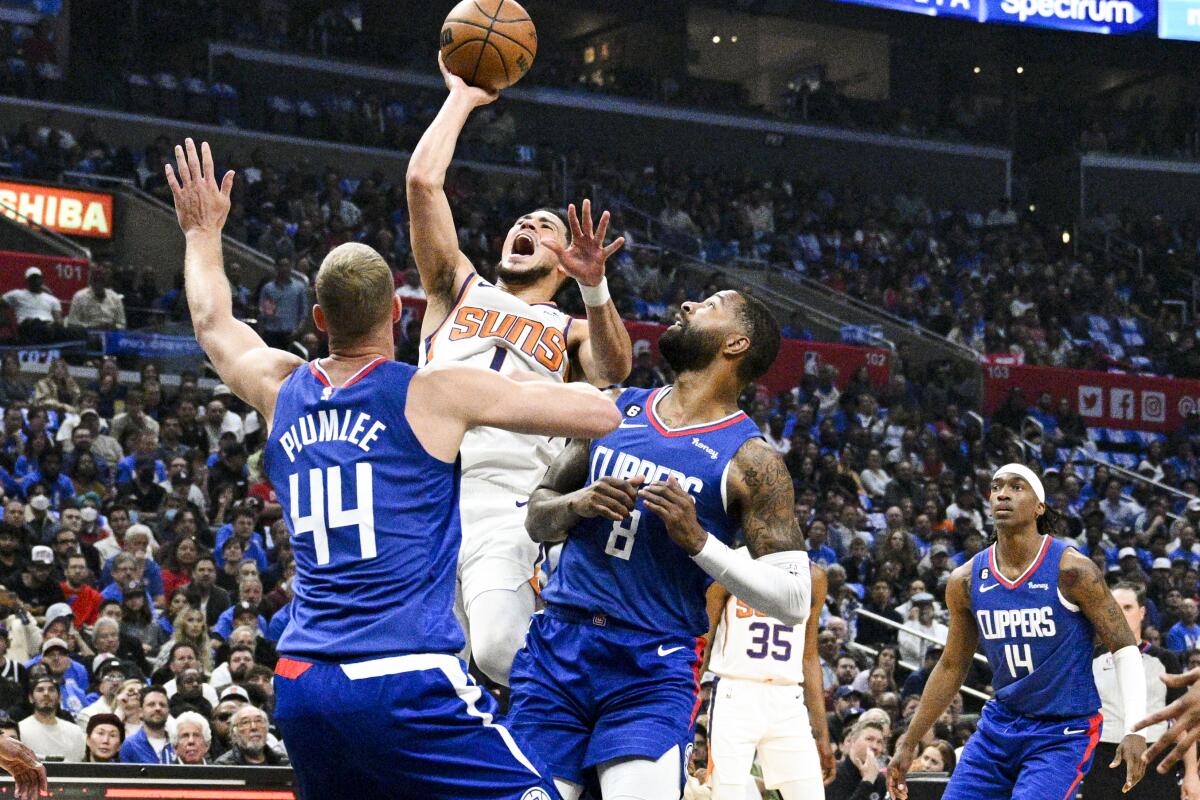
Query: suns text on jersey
point(331, 425)
point(607, 462)
point(1009, 623)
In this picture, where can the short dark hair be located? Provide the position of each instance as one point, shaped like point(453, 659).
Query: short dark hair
point(175, 648)
point(763, 331)
point(152, 689)
point(244, 511)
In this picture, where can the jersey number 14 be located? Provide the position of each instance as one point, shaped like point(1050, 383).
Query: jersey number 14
point(1018, 656)
point(328, 482)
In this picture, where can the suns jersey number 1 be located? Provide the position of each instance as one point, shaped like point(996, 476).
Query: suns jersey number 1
point(752, 646)
point(492, 329)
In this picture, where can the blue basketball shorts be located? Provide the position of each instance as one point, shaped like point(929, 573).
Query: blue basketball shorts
point(411, 726)
point(586, 691)
point(1013, 756)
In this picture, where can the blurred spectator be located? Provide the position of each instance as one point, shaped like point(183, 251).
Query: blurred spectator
point(150, 744)
point(859, 772)
point(44, 731)
point(97, 306)
point(191, 738)
point(105, 736)
point(38, 313)
point(248, 735)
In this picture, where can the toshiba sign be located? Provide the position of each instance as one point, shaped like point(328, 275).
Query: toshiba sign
point(63, 210)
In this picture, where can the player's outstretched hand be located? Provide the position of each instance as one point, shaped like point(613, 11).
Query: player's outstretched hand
point(898, 769)
point(1185, 712)
point(677, 510)
point(456, 85)
point(610, 498)
point(1130, 751)
point(584, 259)
point(28, 773)
point(200, 205)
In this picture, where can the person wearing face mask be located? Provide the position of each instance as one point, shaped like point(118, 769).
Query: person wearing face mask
point(40, 521)
point(91, 529)
point(179, 482)
point(50, 475)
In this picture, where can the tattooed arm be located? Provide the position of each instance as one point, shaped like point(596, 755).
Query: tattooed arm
point(760, 493)
point(1082, 584)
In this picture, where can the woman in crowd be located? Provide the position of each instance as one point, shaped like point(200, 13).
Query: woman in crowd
point(14, 387)
point(179, 557)
point(137, 619)
point(58, 390)
point(105, 734)
point(938, 756)
point(129, 705)
point(85, 477)
point(885, 661)
point(189, 627)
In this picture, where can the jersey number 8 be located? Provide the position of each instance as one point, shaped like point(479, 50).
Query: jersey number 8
point(318, 524)
point(620, 541)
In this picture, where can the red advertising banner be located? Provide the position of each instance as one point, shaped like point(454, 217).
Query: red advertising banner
point(62, 276)
point(795, 357)
point(67, 211)
point(1103, 399)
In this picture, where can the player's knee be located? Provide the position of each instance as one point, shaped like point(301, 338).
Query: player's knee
point(493, 653)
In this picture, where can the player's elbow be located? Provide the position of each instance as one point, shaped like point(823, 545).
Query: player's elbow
point(600, 421)
point(418, 180)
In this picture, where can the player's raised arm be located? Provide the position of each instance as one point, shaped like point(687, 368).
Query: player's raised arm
point(445, 401)
point(1083, 585)
point(242, 359)
point(760, 491)
point(563, 498)
point(433, 236)
point(814, 679)
point(602, 343)
point(945, 680)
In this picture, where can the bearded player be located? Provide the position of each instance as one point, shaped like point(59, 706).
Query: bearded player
point(608, 677)
point(511, 327)
point(1037, 738)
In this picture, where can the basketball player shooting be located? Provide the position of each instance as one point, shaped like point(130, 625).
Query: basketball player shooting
point(609, 675)
point(362, 451)
point(1037, 737)
point(510, 327)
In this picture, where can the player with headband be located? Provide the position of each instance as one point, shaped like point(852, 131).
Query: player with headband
point(1037, 738)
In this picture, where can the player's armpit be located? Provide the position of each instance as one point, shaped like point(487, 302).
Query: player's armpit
point(1083, 584)
point(760, 487)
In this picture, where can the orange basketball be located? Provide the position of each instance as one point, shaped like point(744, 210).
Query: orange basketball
point(489, 43)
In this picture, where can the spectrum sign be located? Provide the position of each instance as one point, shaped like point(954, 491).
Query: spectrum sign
point(1112, 17)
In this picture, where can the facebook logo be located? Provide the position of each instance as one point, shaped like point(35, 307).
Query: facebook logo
point(1120, 403)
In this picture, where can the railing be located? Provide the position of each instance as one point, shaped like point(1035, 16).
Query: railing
point(899, 626)
point(871, 651)
point(52, 239)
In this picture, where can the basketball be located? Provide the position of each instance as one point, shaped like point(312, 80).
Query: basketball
point(489, 43)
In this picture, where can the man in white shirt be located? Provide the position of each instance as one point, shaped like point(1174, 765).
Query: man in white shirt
point(913, 647)
point(44, 732)
point(183, 658)
point(96, 306)
point(38, 312)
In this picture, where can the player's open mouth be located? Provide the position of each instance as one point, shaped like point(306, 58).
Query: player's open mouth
point(524, 245)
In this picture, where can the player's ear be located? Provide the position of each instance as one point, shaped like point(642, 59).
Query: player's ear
point(736, 344)
point(318, 315)
point(397, 309)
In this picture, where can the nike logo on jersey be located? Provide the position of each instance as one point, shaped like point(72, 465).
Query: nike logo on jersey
point(667, 652)
point(632, 425)
point(521, 504)
point(1069, 732)
point(988, 588)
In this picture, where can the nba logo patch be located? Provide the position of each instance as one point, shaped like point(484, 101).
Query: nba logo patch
point(535, 794)
point(327, 393)
point(633, 411)
point(984, 573)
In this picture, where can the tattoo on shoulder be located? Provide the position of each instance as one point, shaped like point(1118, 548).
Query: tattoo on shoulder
point(767, 499)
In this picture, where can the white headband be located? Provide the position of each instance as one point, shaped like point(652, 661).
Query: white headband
point(1025, 472)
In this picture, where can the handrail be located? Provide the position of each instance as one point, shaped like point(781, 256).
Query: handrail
point(43, 234)
point(891, 623)
point(967, 690)
point(842, 297)
point(96, 176)
point(1120, 470)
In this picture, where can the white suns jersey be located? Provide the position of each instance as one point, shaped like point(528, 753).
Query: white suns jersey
point(749, 645)
point(492, 329)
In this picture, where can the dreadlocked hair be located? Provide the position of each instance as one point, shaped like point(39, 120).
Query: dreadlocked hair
point(1053, 523)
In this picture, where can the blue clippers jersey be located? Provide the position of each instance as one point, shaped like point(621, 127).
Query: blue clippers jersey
point(631, 571)
point(373, 519)
point(1039, 646)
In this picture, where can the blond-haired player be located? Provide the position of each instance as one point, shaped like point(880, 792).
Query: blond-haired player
point(768, 697)
point(511, 327)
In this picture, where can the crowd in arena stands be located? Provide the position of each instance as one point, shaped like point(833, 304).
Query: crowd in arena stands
point(140, 546)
